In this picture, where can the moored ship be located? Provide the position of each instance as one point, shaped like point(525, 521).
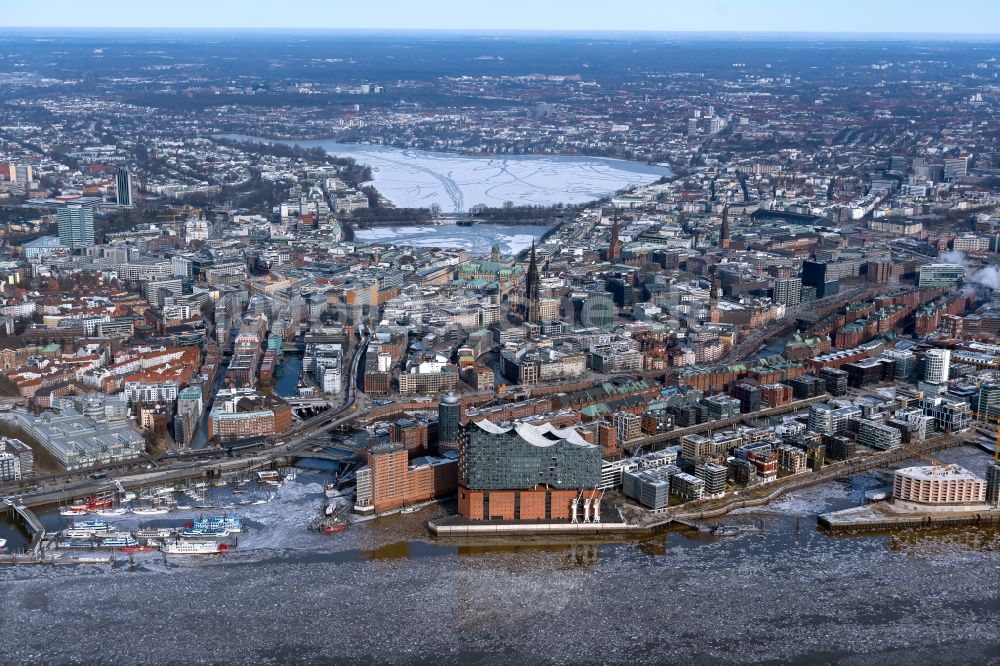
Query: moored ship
point(194, 548)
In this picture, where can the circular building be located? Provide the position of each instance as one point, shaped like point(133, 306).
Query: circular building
point(449, 422)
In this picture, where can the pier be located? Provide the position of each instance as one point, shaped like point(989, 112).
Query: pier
point(447, 527)
point(27, 518)
point(882, 516)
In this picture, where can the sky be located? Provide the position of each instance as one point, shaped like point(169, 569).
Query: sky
point(824, 16)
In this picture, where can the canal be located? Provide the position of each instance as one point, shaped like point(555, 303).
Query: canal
point(286, 375)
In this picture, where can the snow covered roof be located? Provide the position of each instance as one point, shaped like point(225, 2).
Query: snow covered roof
point(542, 435)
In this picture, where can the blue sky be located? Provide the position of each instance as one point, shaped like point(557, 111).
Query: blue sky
point(872, 16)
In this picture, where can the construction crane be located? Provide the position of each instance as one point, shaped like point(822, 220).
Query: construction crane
point(996, 441)
point(923, 456)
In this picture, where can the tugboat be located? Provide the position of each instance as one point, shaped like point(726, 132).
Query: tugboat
point(333, 528)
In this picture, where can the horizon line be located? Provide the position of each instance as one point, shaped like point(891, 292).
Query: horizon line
point(510, 31)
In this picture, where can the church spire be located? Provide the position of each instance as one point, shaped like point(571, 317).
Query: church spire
point(531, 287)
point(615, 246)
point(724, 232)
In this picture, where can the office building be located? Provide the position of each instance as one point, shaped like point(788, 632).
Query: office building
point(956, 168)
point(906, 363)
point(987, 400)
point(627, 427)
point(993, 484)
point(240, 413)
point(123, 188)
point(950, 415)
point(449, 422)
point(651, 487)
point(835, 379)
point(940, 275)
point(76, 226)
point(76, 441)
point(749, 397)
point(937, 365)
point(817, 274)
point(807, 386)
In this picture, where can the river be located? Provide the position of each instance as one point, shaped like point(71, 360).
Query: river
point(384, 592)
point(456, 182)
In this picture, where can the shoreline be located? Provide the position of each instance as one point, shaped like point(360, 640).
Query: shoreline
point(296, 141)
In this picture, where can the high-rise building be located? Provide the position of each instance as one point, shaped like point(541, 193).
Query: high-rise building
point(993, 484)
point(20, 173)
point(956, 167)
point(788, 291)
point(987, 401)
point(937, 363)
point(76, 226)
point(449, 422)
point(906, 363)
point(818, 274)
point(123, 188)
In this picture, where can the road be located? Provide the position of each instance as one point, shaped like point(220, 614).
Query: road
point(750, 344)
point(150, 470)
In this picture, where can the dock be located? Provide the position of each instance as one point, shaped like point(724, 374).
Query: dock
point(882, 516)
point(449, 527)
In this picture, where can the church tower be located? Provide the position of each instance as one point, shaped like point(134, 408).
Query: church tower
point(615, 246)
point(713, 298)
point(531, 286)
point(495, 252)
point(724, 232)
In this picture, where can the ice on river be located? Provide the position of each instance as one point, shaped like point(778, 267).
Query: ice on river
point(776, 595)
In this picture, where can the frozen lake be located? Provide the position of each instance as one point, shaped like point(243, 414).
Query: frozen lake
point(418, 178)
point(477, 239)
